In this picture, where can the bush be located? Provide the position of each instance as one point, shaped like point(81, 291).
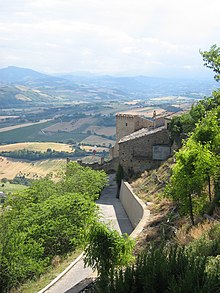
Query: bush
point(165, 269)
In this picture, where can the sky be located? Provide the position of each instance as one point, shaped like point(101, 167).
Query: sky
point(118, 37)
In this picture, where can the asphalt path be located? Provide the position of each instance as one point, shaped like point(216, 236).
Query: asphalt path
point(112, 213)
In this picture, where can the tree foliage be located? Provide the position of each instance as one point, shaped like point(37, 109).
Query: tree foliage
point(107, 249)
point(194, 165)
point(183, 125)
point(164, 269)
point(46, 220)
point(211, 60)
point(197, 163)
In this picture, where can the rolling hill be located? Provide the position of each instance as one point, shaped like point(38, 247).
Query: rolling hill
point(22, 96)
point(23, 86)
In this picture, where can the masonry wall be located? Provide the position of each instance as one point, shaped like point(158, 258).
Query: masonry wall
point(127, 124)
point(137, 154)
point(108, 167)
point(159, 121)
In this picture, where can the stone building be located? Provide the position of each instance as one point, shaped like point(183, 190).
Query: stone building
point(127, 124)
point(144, 149)
point(141, 142)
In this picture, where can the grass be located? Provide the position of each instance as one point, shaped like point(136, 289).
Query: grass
point(102, 130)
point(20, 126)
point(165, 224)
point(89, 148)
point(187, 233)
point(163, 220)
point(8, 187)
point(58, 267)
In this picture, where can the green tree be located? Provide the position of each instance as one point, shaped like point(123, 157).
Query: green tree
point(46, 220)
point(212, 60)
point(119, 177)
point(83, 180)
point(183, 125)
point(194, 164)
point(107, 249)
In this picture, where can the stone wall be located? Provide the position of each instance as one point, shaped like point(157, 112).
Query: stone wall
point(127, 124)
point(108, 167)
point(136, 152)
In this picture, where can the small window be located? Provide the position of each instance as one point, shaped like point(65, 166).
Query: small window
point(126, 124)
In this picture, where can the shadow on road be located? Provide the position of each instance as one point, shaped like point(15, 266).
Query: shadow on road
point(83, 286)
point(112, 208)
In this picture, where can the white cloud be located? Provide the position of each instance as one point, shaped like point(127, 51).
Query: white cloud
point(139, 36)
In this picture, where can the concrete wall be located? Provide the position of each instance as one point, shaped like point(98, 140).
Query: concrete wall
point(131, 204)
point(135, 208)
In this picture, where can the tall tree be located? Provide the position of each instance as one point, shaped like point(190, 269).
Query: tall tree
point(212, 60)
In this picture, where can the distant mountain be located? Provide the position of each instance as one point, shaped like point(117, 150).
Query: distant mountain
point(89, 87)
point(13, 74)
point(31, 78)
point(144, 86)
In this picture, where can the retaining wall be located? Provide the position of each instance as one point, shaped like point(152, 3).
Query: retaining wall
point(135, 208)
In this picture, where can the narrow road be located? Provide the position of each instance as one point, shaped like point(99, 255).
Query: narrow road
point(112, 212)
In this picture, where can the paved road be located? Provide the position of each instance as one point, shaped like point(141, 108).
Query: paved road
point(113, 213)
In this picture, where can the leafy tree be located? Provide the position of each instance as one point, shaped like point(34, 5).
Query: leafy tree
point(119, 177)
point(107, 249)
point(208, 131)
point(83, 180)
point(194, 164)
point(20, 256)
point(46, 220)
point(212, 60)
point(60, 223)
point(183, 125)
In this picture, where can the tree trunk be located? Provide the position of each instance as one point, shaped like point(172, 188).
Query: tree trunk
point(209, 182)
point(191, 210)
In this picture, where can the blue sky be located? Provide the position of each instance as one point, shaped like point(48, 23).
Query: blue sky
point(150, 37)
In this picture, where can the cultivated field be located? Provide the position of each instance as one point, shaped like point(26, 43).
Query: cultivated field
point(8, 187)
point(74, 125)
point(35, 133)
point(98, 140)
point(147, 112)
point(89, 148)
point(21, 125)
point(9, 168)
point(37, 146)
point(101, 130)
point(91, 159)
